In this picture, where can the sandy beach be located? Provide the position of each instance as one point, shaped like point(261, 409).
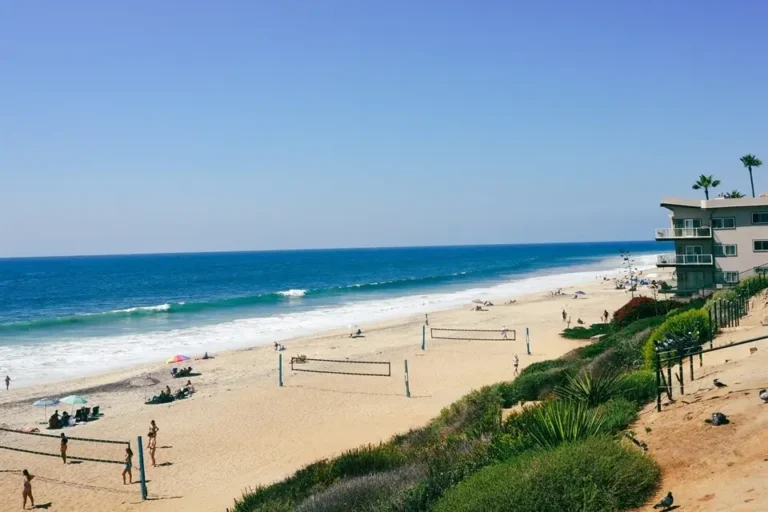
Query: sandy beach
point(240, 429)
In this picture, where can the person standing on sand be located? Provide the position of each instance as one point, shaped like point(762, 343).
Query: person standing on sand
point(153, 429)
point(504, 331)
point(27, 492)
point(7, 382)
point(64, 442)
point(606, 315)
point(128, 466)
point(152, 447)
point(516, 362)
point(565, 315)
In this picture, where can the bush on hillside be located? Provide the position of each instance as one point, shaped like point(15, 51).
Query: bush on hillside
point(617, 414)
point(598, 474)
point(636, 309)
point(638, 387)
point(533, 386)
point(590, 388)
point(584, 333)
point(695, 321)
point(368, 493)
point(555, 422)
point(542, 366)
point(474, 415)
point(319, 475)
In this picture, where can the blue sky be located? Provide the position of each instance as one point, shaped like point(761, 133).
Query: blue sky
point(186, 126)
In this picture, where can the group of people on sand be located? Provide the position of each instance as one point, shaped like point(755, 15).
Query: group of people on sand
point(279, 347)
point(127, 474)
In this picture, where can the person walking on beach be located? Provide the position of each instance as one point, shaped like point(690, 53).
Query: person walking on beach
point(504, 331)
point(7, 382)
point(565, 315)
point(606, 315)
point(64, 442)
point(516, 362)
point(27, 492)
point(128, 466)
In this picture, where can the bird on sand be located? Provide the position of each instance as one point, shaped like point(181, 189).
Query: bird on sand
point(763, 395)
point(719, 384)
point(665, 503)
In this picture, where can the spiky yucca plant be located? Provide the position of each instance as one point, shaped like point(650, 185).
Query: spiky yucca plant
point(557, 421)
point(592, 389)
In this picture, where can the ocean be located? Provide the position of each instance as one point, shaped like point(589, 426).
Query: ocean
point(73, 316)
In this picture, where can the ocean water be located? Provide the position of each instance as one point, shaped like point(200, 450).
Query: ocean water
point(72, 316)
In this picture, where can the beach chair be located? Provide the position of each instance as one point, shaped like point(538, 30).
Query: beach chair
point(79, 415)
point(95, 412)
point(174, 372)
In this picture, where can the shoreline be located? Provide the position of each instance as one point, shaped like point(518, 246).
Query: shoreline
point(390, 309)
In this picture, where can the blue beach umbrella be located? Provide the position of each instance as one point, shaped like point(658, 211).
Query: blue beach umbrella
point(45, 403)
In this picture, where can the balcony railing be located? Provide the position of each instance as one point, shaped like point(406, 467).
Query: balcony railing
point(677, 233)
point(670, 260)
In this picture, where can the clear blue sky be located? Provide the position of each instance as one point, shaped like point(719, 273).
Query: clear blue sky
point(191, 125)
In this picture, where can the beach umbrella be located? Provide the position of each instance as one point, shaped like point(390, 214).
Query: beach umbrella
point(73, 400)
point(580, 293)
point(45, 403)
point(177, 359)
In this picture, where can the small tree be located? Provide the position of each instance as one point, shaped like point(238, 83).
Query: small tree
point(733, 194)
point(749, 162)
point(706, 182)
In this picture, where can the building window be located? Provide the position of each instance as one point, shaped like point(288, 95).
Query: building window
point(760, 245)
point(724, 223)
point(760, 218)
point(725, 250)
point(687, 223)
point(728, 277)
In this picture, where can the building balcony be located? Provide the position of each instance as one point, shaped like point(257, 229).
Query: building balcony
point(683, 233)
point(675, 260)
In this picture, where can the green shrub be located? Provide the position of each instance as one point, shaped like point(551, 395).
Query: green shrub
point(365, 493)
point(555, 422)
point(694, 321)
point(584, 333)
point(617, 414)
point(319, 475)
point(639, 386)
point(591, 388)
point(533, 386)
point(542, 366)
point(598, 474)
point(475, 414)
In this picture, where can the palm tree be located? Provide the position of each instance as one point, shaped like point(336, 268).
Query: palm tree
point(733, 194)
point(706, 182)
point(749, 162)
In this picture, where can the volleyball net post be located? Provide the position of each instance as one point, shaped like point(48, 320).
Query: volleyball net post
point(280, 370)
point(142, 475)
point(423, 337)
point(407, 381)
point(527, 341)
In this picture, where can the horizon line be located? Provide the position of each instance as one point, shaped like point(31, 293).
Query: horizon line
point(309, 249)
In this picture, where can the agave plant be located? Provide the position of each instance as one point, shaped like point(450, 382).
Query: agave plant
point(591, 388)
point(557, 421)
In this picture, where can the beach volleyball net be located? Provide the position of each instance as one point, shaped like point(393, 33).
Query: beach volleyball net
point(81, 449)
point(342, 367)
point(473, 334)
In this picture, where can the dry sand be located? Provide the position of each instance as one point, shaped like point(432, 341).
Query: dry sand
point(240, 429)
point(710, 468)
